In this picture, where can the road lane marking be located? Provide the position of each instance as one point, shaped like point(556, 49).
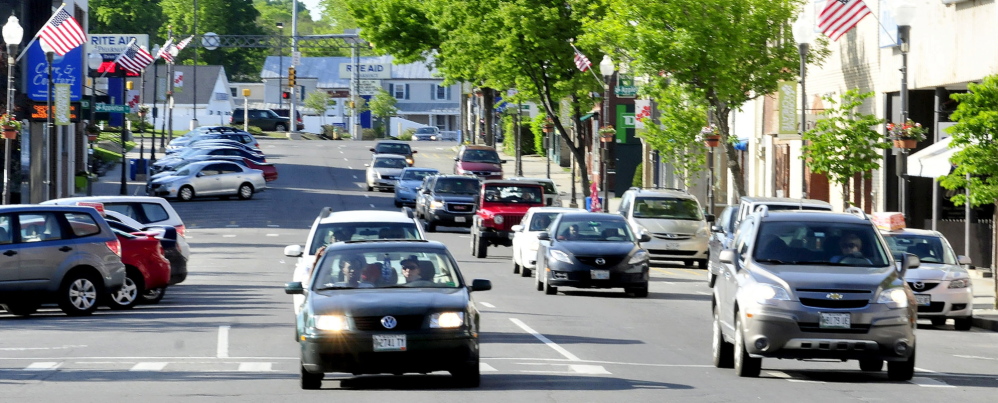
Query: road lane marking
point(703, 293)
point(43, 366)
point(273, 234)
point(483, 367)
point(974, 357)
point(223, 342)
point(545, 340)
point(487, 305)
point(273, 226)
point(779, 374)
point(255, 366)
point(229, 236)
point(372, 205)
point(232, 226)
point(929, 383)
point(589, 369)
point(41, 348)
point(355, 176)
point(149, 366)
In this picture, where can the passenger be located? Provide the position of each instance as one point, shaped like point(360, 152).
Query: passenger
point(411, 270)
point(571, 233)
point(350, 269)
point(370, 276)
point(850, 246)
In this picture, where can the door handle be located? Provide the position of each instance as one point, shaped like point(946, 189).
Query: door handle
point(10, 252)
point(65, 249)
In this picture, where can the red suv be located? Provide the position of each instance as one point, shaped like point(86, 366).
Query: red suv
point(481, 161)
point(501, 205)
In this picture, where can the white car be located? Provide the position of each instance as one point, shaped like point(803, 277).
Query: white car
point(525, 240)
point(941, 284)
point(351, 225)
point(383, 170)
point(209, 178)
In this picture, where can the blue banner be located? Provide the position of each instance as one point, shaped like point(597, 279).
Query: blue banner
point(66, 69)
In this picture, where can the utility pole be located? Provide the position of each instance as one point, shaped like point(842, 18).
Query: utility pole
point(293, 116)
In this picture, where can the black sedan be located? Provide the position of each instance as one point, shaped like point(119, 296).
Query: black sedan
point(393, 307)
point(592, 250)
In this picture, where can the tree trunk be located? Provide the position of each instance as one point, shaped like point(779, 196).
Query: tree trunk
point(845, 195)
point(488, 114)
point(721, 114)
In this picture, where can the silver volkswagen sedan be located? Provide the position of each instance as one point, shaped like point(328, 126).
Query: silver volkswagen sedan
point(209, 178)
point(383, 170)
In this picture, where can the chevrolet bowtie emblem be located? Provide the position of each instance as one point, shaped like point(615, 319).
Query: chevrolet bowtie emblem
point(834, 295)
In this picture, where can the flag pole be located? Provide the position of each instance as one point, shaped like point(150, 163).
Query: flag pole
point(590, 68)
point(35, 38)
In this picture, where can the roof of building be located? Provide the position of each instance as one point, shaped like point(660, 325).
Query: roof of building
point(207, 75)
point(326, 70)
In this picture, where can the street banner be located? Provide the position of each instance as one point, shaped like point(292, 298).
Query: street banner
point(642, 110)
point(178, 81)
point(61, 113)
point(626, 88)
point(787, 104)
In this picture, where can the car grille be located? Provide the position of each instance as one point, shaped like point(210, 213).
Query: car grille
point(509, 221)
point(373, 323)
point(669, 236)
point(835, 304)
point(389, 177)
point(591, 260)
point(925, 286)
point(485, 173)
point(845, 299)
point(460, 207)
point(932, 307)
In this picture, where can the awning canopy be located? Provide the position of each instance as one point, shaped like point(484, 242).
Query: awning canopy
point(932, 161)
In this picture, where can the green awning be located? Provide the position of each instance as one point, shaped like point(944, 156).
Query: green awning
point(586, 117)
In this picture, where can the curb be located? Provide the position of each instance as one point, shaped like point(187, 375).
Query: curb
point(986, 323)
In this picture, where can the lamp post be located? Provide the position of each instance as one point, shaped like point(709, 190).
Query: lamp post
point(12, 36)
point(280, 70)
point(606, 70)
point(803, 30)
point(94, 61)
point(127, 128)
point(904, 13)
point(194, 122)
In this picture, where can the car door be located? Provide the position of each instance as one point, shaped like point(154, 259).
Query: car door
point(422, 201)
point(727, 282)
point(9, 259)
point(41, 247)
point(230, 177)
point(519, 246)
point(207, 181)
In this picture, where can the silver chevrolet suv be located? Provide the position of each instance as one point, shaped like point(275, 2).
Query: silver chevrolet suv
point(813, 285)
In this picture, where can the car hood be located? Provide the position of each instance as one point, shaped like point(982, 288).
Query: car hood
point(383, 301)
point(935, 271)
point(410, 184)
point(388, 171)
point(828, 277)
point(168, 178)
point(510, 208)
point(161, 175)
point(656, 225)
point(480, 166)
point(587, 248)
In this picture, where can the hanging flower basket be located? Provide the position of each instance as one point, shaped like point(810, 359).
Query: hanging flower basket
point(548, 126)
point(712, 141)
point(905, 143)
point(711, 136)
point(92, 132)
point(607, 134)
point(906, 135)
point(142, 112)
point(10, 126)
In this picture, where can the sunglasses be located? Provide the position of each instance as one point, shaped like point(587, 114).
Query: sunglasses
point(410, 268)
point(851, 245)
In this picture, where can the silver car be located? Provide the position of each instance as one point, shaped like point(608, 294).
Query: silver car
point(209, 178)
point(383, 170)
point(812, 286)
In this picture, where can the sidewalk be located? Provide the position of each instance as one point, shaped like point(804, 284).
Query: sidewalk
point(985, 315)
point(535, 166)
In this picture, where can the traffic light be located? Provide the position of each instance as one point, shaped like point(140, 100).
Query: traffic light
point(285, 95)
point(291, 76)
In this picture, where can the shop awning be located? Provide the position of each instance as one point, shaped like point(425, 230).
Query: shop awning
point(932, 161)
point(586, 117)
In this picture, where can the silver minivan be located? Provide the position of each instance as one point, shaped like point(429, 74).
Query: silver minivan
point(673, 219)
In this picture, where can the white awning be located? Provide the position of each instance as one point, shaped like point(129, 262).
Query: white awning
point(932, 161)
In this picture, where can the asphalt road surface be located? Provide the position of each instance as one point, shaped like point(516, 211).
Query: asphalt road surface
point(226, 334)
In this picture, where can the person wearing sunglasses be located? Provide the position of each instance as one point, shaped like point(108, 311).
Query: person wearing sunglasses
point(851, 250)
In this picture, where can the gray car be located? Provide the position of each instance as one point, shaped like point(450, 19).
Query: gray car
point(721, 234)
point(813, 285)
point(209, 178)
point(408, 181)
point(62, 254)
point(383, 170)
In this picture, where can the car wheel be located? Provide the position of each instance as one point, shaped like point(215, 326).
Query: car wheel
point(370, 188)
point(516, 267)
point(78, 294)
point(901, 370)
point(938, 322)
point(398, 204)
point(723, 352)
point(431, 226)
point(963, 324)
point(637, 292)
point(153, 296)
point(687, 263)
point(245, 191)
point(537, 280)
point(310, 381)
point(128, 296)
point(280, 128)
point(745, 365)
point(469, 375)
point(711, 279)
point(525, 272)
point(702, 264)
point(21, 308)
point(482, 249)
point(548, 289)
point(871, 364)
point(185, 193)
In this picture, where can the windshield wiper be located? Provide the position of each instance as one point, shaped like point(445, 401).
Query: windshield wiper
point(771, 261)
point(333, 287)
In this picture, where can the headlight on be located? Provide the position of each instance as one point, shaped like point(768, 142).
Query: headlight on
point(766, 294)
point(959, 283)
point(446, 320)
point(498, 219)
point(639, 257)
point(894, 298)
point(334, 323)
point(409, 160)
point(560, 256)
point(436, 205)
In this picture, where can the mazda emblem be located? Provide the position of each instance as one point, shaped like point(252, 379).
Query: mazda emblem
point(389, 322)
point(600, 261)
point(918, 285)
point(834, 295)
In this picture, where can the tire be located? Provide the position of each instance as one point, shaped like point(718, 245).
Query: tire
point(469, 375)
point(398, 204)
point(688, 263)
point(711, 279)
point(637, 292)
point(481, 248)
point(537, 281)
point(245, 191)
point(901, 370)
point(21, 308)
point(938, 322)
point(370, 188)
point(525, 272)
point(280, 127)
point(871, 364)
point(474, 243)
point(702, 264)
point(153, 296)
point(963, 324)
point(186, 193)
point(723, 352)
point(548, 289)
point(431, 226)
point(310, 381)
point(745, 366)
point(130, 294)
point(79, 294)
point(516, 267)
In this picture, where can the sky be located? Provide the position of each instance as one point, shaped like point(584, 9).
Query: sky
point(312, 6)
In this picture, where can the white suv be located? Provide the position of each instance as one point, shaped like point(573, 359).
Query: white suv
point(675, 221)
point(525, 241)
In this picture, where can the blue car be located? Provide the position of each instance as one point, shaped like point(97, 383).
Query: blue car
point(407, 182)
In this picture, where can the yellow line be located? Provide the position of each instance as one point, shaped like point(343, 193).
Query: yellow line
point(663, 271)
point(695, 273)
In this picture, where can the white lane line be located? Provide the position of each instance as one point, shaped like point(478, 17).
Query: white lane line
point(349, 167)
point(273, 234)
point(366, 196)
point(487, 305)
point(703, 293)
point(779, 374)
point(355, 176)
point(223, 342)
point(149, 366)
point(256, 366)
point(545, 340)
point(666, 282)
point(483, 367)
point(589, 369)
point(273, 226)
point(232, 226)
point(925, 370)
point(43, 366)
point(229, 236)
point(372, 205)
point(929, 383)
point(974, 357)
point(804, 381)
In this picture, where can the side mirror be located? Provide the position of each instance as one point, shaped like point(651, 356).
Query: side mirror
point(709, 217)
point(645, 237)
point(414, 151)
point(294, 288)
point(516, 228)
point(963, 260)
point(544, 236)
point(502, 161)
point(200, 174)
point(480, 284)
point(293, 250)
point(727, 256)
point(367, 165)
point(907, 261)
point(716, 228)
point(456, 159)
point(372, 150)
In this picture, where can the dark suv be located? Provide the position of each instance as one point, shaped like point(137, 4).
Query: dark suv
point(265, 119)
point(481, 161)
point(395, 147)
point(447, 200)
point(285, 113)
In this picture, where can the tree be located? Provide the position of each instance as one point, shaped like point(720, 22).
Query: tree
point(844, 143)
point(318, 102)
point(682, 114)
point(382, 106)
point(223, 17)
point(125, 16)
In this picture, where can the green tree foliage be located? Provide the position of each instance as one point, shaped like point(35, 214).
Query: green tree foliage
point(682, 113)
point(318, 102)
point(125, 17)
point(383, 107)
point(975, 132)
point(844, 142)
point(223, 17)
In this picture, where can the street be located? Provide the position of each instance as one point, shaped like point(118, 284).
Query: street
point(227, 332)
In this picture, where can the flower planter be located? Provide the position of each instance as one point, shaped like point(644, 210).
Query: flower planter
point(9, 132)
point(547, 128)
point(712, 141)
point(607, 137)
point(905, 143)
point(91, 137)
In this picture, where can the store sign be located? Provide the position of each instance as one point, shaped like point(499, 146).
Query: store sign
point(368, 87)
point(366, 71)
point(626, 88)
point(787, 104)
point(112, 45)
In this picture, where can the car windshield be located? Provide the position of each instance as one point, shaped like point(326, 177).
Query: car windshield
point(486, 156)
point(426, 130)
point(457, 186)
point(354, 231)
point(594, 230)
point(819, 243)
point(542, 221)
point(416, 175)
point(389, 163)
point(930, 249)
point(391, 148)
point(183, 172)
point(667, 207)
point(413, 267)
point(514, 194)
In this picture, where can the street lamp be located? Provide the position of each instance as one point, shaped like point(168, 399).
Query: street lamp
point(803, 30)
point(904, 13)
point(280, 70)
point(94, 60)
point(12, 36)
point(605, 69)
point(155, 95)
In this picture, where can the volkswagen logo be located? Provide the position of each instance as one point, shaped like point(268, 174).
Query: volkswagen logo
point(834, 295)
point(600, 261)
point(918, 285)
point(389, 322)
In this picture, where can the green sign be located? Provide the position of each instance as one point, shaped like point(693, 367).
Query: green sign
point(625, 86)
point(787, 99)
point(102, 107)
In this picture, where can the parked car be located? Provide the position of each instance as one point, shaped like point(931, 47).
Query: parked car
point(813, 285)
point(675, 221)
point(501, 205)
point(213, 133)
point(397, 148)
point(269, 169)
point(176, 250)
point(448, 200)
point(428, 133)
point(167, 162)
point(265, 119)
point(146, 210)
point(721, 235)
point(592, 250)
point(551, 195)
point(286, 113)
point(525, 242)
point(146, 268)
point(481, 161)
point(209, 178)
point(206, 142)
point(354, 321)
point(407, 182)
point(197, 132)
point(62, 254)
point(942, 286)
point(383, 170)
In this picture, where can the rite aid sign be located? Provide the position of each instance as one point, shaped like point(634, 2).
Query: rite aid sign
point(366, 71)
point(112, 45)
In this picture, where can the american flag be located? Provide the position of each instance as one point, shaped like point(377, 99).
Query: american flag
point(62, 33)
point(581, 61)
point(183, 43)
point(134, 58)
point(840, 16)
point(164, 52)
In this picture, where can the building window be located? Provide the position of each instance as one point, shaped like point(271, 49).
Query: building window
point(232, 91)
point(440, 92)
point(440, 121)
point(399, 91)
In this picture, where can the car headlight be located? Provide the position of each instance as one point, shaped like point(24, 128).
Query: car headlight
point(639, 257)
point(334, 323)
point(401, 188)
point(446, 320)
point(703, 232)
point(409, 160)
point(435, 205)
point(766, 294)
point(894, 298)
point(560, 256)
point(959, 283)
point(498, 219)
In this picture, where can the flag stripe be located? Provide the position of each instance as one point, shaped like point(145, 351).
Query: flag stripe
point(840, 16)
point(134, 58)
point(581, 61)
point(62, 33)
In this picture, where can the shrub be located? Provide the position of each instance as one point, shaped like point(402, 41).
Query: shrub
point(368, 134)
point(406, 135)
point(638, 176)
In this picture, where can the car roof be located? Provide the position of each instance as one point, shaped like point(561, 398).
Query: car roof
point(394, 156)
point(814, 216)
point(392, 142)
point(520, 178)
point(783, 201)
point(47, 207)
point(366, 216)
point(499, 182)
point(478, 147)
point(420, 169)
point(551, 209)
point(584, 214)
point(387, 245)
point(104, 199)
point(911, 231)
point(679, 193)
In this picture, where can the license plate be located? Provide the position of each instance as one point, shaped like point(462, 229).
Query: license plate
point(671, 245)
point(923, 300)
point(600, 274)
point(460, 219)
point(835, 321)
point(389, 342)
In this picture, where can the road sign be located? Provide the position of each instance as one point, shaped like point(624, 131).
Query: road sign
point(369, 87)
point(295, 58)
point(102, 107)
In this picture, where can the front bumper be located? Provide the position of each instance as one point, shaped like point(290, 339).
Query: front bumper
point(947, 303)
point(561, 274)
point(406, 198)
point(353, 352)
point(161, 190)
point(444, 217)
point(499, 238)
point(681, 249)
point(384, 183)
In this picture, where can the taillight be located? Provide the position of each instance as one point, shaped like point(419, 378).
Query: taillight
point(114, 246)
point(181, 230)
